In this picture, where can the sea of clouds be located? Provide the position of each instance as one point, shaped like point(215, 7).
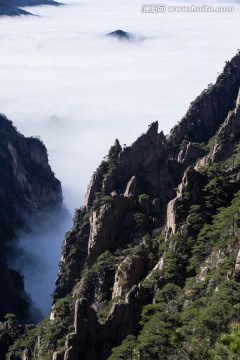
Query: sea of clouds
point(64, 80)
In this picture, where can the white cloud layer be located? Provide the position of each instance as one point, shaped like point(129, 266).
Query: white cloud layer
point(63, 79)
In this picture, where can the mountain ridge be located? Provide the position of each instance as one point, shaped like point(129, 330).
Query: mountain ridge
point(14, 7)
point(154, 251)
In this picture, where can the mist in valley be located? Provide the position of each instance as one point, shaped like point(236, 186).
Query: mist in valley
point(37, 253)
point(64, 80)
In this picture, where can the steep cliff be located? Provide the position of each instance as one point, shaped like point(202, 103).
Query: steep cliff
point(150, 269)
point(27, 184)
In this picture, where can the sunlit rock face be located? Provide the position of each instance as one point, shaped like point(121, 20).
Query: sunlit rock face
point(158, 231)
point(108, 256)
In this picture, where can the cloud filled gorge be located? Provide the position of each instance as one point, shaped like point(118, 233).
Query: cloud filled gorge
point(37, 254)
point(63, 79)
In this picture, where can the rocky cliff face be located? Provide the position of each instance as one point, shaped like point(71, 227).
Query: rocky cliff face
point(150, 268)
point(211, 107)
point(27, 184)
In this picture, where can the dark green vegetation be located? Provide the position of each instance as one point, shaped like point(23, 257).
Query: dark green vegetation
point(198, 301)
point(153, 258)
point(51, 332)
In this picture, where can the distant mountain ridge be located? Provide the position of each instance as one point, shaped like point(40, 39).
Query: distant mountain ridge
point(14, 7)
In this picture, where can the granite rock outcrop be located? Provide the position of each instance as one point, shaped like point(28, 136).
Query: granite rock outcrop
point(154, 251)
